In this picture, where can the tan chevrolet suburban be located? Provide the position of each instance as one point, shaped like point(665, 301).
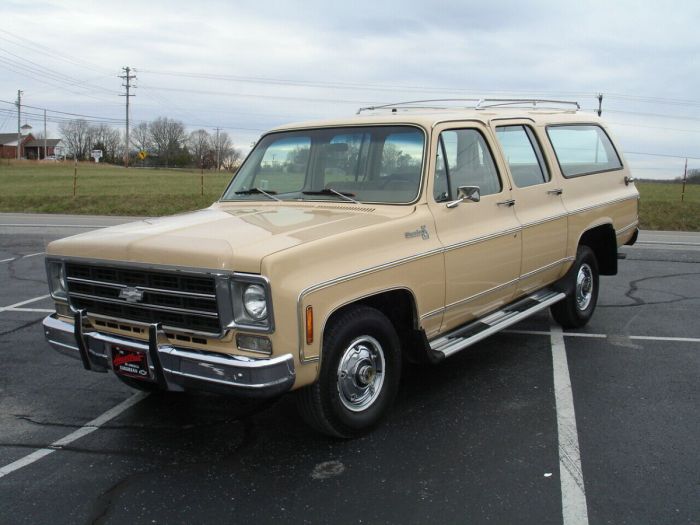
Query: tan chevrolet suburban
point(342, 248)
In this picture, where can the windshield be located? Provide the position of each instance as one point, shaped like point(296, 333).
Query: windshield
point(379, 164)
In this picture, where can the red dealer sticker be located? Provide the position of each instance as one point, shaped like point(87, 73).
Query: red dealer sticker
point(130, 362)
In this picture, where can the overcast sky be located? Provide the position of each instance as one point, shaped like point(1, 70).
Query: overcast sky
point(248, 66)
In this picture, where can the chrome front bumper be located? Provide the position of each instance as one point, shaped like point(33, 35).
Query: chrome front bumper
point(173, 368)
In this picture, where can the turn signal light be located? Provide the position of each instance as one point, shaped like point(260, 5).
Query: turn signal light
point(309, 325)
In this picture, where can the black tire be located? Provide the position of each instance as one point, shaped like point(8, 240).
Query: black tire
point(350, 344)
point(144, 386)
point(581, 291)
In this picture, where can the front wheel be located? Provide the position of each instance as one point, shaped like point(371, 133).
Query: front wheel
point(359, 378)
point(577, 308)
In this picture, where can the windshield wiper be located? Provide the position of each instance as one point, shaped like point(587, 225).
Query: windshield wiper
point(269, 194)
point(330, 191)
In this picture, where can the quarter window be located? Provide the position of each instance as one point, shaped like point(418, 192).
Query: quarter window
point(464, 159)
point(523, 155)
point(583, 149)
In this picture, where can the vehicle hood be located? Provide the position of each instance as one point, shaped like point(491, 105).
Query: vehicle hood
point(224, 236)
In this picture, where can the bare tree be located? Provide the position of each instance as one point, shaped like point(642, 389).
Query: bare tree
point(168, 136)
point(222, 146)
point(77, 137)
point(106, 139)
point(199, 144)
point(232, 161)
point(140, 137)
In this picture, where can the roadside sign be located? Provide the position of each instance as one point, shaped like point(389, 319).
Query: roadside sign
point(96, 154)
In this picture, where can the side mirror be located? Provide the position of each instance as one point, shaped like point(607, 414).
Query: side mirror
point(466, 194)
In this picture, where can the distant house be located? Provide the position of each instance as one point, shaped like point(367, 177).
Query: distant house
point(34, 149)
point(8, 145)
point(30, 147)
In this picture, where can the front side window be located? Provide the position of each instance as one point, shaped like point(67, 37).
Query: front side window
point(381, 164)
point(464, 159)
point(583, 149)
point(522, 152)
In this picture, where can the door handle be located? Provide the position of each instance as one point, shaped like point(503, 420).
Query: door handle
point(509, 202)
point(556, 191)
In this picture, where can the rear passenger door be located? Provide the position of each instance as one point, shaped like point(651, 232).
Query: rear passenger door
point(481, 239)
point(538, 204)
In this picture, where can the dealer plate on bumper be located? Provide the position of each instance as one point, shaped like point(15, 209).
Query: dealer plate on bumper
point(130, 362)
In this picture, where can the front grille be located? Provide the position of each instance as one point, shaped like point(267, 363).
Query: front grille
point(177, 300)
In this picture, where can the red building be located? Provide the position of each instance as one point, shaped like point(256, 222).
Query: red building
point(30, 147)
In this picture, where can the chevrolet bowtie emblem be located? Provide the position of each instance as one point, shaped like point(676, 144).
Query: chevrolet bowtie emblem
point(131, 295)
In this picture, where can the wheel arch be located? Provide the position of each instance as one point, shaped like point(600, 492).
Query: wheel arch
point(399, 305)
point(603, 241)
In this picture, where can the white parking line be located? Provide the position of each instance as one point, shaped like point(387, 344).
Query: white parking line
point(672, 339)
point(22, 303)
point(573, 493)
point(88, 428)
point(8, 260)
point(32, 255)
point(54, 225)
point(605, 336)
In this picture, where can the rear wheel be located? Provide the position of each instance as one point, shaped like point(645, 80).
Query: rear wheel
point(359, 378)
point(577, 308)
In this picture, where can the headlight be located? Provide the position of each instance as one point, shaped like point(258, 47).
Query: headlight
point(57, 279)
point(255, 302)
point(251, 303)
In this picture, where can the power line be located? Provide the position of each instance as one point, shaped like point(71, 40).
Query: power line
point(66, 112)
point(661, 155)
point(44, 71)
point(393, 87)
point(38, 48)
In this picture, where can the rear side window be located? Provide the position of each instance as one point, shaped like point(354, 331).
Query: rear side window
point(523, 155)
point(583, 149)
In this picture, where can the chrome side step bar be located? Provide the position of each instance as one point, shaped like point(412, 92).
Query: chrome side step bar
point(467, 335)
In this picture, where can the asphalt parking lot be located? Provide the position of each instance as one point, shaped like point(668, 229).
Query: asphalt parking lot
point(488, 436)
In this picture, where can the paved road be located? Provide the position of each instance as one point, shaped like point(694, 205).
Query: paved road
point(477, 439)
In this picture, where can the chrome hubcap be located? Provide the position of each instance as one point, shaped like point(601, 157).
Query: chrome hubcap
point(361, 373)
point(584, 287)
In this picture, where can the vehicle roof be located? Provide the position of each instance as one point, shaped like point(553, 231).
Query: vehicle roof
point(428, 118)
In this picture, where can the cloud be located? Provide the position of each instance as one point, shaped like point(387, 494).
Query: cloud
point(392, 50)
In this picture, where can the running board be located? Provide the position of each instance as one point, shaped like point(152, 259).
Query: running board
point(467, 335)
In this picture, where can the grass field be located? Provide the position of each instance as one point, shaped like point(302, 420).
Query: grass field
point(109, 190)
point(104, 190)
point(661, 207)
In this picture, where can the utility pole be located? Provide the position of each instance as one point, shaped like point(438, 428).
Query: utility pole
point(45, 135)
point(127, 77)
point(218, 148)
point(19, 115)
point(685, 178)
point(600, 104)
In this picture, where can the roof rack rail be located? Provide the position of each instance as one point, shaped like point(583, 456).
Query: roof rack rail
point(499, 102)
point(411, 104)
point(476, 103)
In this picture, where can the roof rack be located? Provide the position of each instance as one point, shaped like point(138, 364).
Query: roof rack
point(477, 103)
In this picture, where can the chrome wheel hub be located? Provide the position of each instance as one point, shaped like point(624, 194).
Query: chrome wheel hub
point(584, 287)
point(361, 373)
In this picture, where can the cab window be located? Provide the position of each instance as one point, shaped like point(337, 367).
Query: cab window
point(464, 159)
